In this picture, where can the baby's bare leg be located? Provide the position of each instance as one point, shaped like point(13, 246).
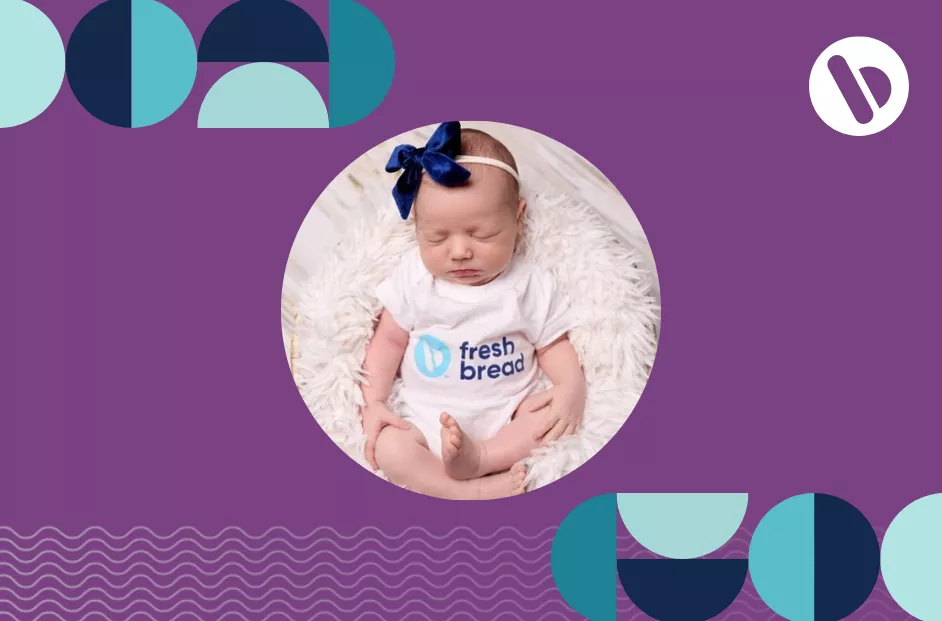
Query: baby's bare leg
point(405, 458)
point(468, 459)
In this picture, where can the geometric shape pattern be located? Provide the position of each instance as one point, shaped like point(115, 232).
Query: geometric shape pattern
point(131, 63)
point(912, 558)
point(682, 590)
point(362, 62)
point(263, 95)
point(276, 31)
point(584, 558)
point(814, 557)
point(682, 526)
point(32, 62)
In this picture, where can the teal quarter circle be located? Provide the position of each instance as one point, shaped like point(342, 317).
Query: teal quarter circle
point(362, 62)
point(263, 95)
point(911, 558)
point(163, 62)
point(584, 558)
point(32, 62)
point(781, 558)
point(682, 526)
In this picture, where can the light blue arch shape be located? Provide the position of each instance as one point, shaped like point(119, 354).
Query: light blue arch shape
point(362, 62)
point(263, 95)
point(781, 558)
point(911, 558)
point(163, 62)
point(584, 558)
point(682, 526)
point(32, 62)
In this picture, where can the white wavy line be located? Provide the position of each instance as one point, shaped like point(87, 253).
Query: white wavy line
point(427, 534)
point(872, 601)
point(737, 613)
point(330, 615)
point(182, 602)
point(382, 570)
point(322, 576)
point(238, 553)
point(360, 595)
point(270, 542)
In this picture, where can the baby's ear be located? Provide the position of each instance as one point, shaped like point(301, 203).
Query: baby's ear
point(521, 209)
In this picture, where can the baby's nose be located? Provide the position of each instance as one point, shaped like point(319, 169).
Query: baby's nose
point(460, 249)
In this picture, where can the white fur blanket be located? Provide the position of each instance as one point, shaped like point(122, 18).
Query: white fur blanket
point(611, 296)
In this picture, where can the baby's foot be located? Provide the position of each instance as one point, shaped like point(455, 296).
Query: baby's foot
point(461, 454)
point(501, 485)
point(518, 474)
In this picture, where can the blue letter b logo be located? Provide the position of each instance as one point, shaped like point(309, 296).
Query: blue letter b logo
point(431, 356)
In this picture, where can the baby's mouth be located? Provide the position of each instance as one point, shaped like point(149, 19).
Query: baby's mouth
point(464, 273)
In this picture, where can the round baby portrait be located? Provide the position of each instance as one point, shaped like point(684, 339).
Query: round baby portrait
point(470, 310)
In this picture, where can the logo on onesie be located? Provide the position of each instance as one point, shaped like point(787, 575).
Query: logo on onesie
point(491, 360)
point(432, 356)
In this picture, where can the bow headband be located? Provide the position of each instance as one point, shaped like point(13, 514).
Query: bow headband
point(439, 158)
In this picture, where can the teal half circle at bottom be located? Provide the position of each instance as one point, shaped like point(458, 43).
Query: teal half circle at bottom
point(263, 95)
point(584, 558)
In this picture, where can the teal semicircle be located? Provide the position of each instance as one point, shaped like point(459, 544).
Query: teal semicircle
point(362, 62)
point(163, 62)
point(263, 95)
point(584, 558)
point(781, 558)
point(681, 526)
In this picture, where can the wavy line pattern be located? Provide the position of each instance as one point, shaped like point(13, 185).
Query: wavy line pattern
point(324, 574)
point(367, 575)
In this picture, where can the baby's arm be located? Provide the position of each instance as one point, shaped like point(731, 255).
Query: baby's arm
point(383, 356)
point(560, 363)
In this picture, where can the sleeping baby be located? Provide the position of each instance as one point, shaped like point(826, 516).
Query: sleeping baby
point(467, 323)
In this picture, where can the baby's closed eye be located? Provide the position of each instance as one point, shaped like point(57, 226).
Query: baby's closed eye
point(487, 235)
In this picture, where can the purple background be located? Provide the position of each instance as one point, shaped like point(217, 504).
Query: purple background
point(144, 379)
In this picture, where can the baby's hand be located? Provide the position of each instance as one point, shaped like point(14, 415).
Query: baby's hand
point(567, 405)
point(375, 417)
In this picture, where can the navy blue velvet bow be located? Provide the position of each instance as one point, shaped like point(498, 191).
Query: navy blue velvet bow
point(436, 158)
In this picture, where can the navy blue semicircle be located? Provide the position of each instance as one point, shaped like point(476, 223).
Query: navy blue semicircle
point(682, 590)
point(846, 558)
point(98, 62)
point(255, 31)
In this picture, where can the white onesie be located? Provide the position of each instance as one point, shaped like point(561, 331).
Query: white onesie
point(471, 349)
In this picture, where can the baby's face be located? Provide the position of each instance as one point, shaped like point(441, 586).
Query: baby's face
point(467, 234)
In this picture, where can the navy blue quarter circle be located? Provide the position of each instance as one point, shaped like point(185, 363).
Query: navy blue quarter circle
point(98, 62)
point(251, 31)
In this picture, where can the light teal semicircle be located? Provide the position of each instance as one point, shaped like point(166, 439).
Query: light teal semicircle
point(682, 526)
point(163, 62)
point(362, 62)
point(263, 95)
point(911, 558)
point(32, 62)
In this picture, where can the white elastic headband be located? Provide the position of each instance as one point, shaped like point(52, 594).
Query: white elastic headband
point(474, 159)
